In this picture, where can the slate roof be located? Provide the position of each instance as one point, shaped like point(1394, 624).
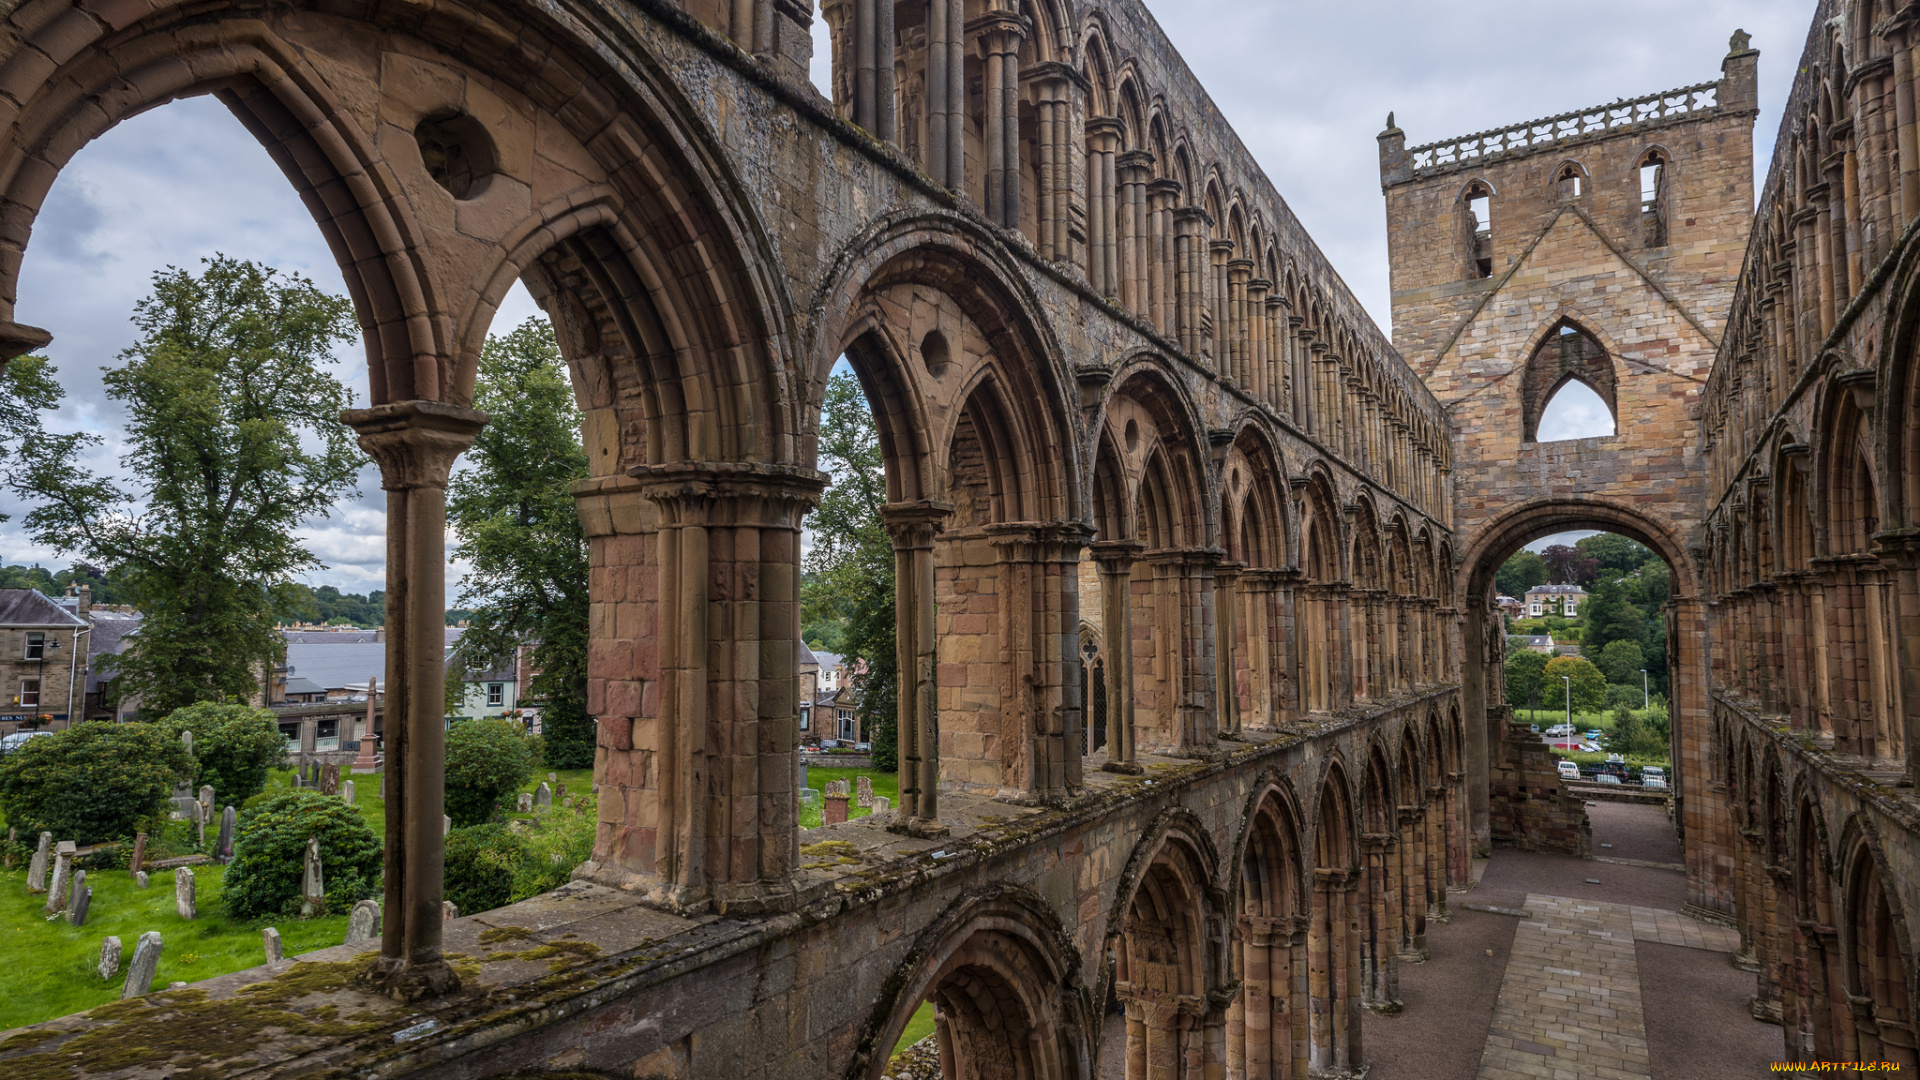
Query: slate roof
point(300, 685)
point(31, 607)
point(110, 629)
point(339, 665)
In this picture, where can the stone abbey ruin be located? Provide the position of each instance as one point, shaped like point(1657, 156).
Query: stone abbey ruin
point(1202, 710)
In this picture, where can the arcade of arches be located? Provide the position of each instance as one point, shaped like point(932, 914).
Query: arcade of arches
point(1200, 717)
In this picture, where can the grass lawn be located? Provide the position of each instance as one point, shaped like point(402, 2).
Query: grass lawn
point(917, 1028)
point(884, 784)
point(51, 965)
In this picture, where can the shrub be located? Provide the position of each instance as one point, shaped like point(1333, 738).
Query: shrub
point(233, 747)
point(487, 760)
point(93, 781)
point(559, 841)
point(1589, 686)
point(480, 866)
point(270, 848)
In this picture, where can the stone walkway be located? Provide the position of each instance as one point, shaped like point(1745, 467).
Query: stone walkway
point(1570, 1003)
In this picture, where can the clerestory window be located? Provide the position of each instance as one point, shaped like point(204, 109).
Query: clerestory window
point(1653, 199)
point(1476, 230)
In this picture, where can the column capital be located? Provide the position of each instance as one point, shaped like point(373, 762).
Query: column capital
point(913, 525)
point(1116, 556)
point(730, 493)
point(1205, 558)
point(1039, 541)
point(1164, 192)
point(1104, 134)
point(415, 442)
point(1136, 166)
point(1190, 215)
point(1241, 269)
point(1222, 248)
point(1001, 32)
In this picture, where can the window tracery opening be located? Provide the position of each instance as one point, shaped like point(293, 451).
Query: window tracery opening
point(1476, 229)
point(1653, 199)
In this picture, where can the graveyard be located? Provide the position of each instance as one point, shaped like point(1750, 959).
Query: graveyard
point(55, 967)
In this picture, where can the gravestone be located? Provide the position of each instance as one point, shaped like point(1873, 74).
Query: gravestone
point(186, 738)
point(346, 792)
point(206, 802)
point(74, 888)
point(140, 879)
point(62, 873)
point(364, 923)
point(37, 870)
point(109, 958)
point(882, 806)
point(143, 966)
point(223, 847)
point(560, 793)
point(298, 784)
point(183, 892)
point(448, 912)
point(330, 779)
point(553, 778)
point(446, 825)
point(270, 944)
point(835, 811)
point(313, 884)
point(139, 853)
point(77, 908)
point(525, 803)
point(864, 797)
point(542, 796)
point(383, 785)
point(199, 825)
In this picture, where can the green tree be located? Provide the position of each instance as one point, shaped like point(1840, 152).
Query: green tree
point(1622, 660)
point(487, 760)
point(93, 782)
point(518, 527)
point(1615, 554)
point(233, 747)
point(233, 440)
point(1589, 685)
point(27, 389)
point(1521, 572)
point(1656, 585)
point(1610, 617)
point(1526, 677)
point(270, 851)
point(850, 566)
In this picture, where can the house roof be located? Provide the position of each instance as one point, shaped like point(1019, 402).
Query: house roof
point(339, 665)
point(829, 661)
point(33, 608)
point(110, 630)
point(807, 658)
point(1557, 590)
point(299, 685)
point(331, 637)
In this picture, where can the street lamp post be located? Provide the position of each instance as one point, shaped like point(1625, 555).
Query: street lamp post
point(1646, 701)
point(1568, 680)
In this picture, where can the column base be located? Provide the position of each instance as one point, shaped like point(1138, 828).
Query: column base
point(1125, 768)
point(1767, 1011)
point(408, 982)
point(1709, 915)
point(919, 828)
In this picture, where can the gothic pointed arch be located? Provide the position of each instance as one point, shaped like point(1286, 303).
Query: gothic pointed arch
point(1568, 352)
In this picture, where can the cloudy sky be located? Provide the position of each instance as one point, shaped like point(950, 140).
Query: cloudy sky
point(1306, 85)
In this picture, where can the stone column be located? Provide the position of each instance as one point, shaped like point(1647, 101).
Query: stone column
point(1052, 86)
point(415, 444)
point(1163, 257)
point(1115, 559)
point(1238, 350)
point(1259, 323)
point(1184, 612)
point(1134, 173)
point(1226, 608)
point(1000, 34)
point(704, 759)
point(946, 93)
point(1190, 288)
point(1039, 584)
point(913, 527)
point(1219, 332)
point(1103, 143)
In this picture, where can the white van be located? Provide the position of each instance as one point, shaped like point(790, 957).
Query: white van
point(1569, 770)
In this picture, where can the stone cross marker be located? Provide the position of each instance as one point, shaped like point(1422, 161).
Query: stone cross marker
point(141, 969)
point(542, 795)
point(346, 791)
point(140, 879)
point(525, 803)
point(865, 796)
point(364, 923)
point(109, 958)
point(270, 943)
point(139, 854)
point(62, 871)
point(223, 847)
point(74, 888)
point(313, 884)
point(37, 870)
point(183, 892)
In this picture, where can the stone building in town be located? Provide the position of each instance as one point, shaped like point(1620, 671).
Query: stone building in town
point(1134, 426)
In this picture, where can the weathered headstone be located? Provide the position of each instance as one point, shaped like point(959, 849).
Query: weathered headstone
point(346, 791)
point(206, 802)
point(446, 825)
point(77, 907)
point(298, 783)
point(223, 847)
point(448, 912)
point(560, 793)
point(62, 873)
point(882, 806)
point(143, 966)
point(525, 803)
point(542, 796)
point(330, 779)
point(74, 886)
point(864, 797)
point(835, 810)
point(270, 943)
point(383, 785)
point(109, 958)
point(183, 892)
point(139, 860)
point(186, 737)
point(37, 870)
point(199, 815)
point(364, 923)
point(140, 879)
point(313, 884)
point(553, 778)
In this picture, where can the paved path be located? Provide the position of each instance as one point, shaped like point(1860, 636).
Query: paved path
point(1570, 1004)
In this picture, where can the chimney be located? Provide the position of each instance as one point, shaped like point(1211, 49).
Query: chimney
point(86, 600)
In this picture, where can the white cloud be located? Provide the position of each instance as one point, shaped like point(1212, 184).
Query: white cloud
point(1576, 412)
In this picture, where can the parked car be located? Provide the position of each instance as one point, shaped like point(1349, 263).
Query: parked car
point(18, 739)
point(1560, 729)
point(1605, 778)
point(1569, 770)
point(863, 748)
point(1654, 771)
point(1593, 734)
point(1535, 728)
point(1653, 781)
